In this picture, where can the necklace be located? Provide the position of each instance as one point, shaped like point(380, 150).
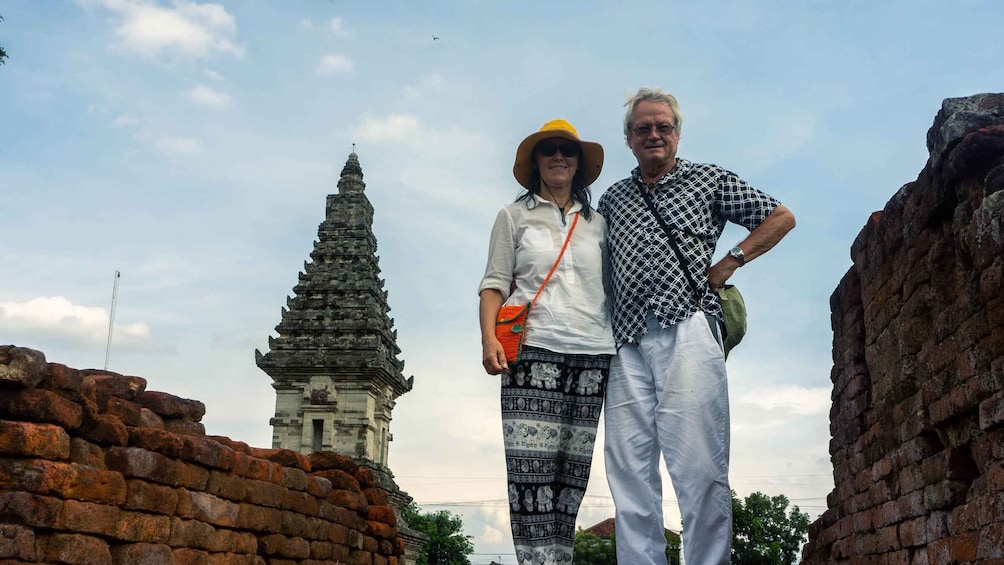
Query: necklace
point(555, 201)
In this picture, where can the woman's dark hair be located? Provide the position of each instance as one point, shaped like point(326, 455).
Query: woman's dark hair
point(580, 191)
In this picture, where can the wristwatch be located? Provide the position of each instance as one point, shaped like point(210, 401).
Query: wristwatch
point(738, 254)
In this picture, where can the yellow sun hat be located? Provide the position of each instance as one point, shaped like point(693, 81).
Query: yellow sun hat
point(591, 161)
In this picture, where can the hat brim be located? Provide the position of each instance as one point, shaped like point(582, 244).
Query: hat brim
point(591, 162)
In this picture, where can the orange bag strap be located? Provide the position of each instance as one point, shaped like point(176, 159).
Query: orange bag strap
point(558, 261)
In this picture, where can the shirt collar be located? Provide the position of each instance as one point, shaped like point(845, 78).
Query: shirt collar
point(681, 168)
point(533, 201)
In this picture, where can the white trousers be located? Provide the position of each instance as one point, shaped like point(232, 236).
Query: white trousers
point(669, 394)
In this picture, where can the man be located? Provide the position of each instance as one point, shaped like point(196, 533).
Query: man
point(667, 390)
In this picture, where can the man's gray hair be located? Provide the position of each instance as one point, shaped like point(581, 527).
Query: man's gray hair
point(656, 95)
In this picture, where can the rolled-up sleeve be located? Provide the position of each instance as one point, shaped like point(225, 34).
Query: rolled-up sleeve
point(501, 256)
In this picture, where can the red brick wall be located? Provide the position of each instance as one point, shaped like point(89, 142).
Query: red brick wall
point(917, 420)
point(96, 470)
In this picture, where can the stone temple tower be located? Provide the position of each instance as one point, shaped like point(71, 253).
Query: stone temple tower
point(334, 365)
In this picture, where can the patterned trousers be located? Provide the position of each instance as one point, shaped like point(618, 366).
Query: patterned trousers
point(550, 409)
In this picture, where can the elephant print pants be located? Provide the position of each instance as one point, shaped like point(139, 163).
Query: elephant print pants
point(550, 409)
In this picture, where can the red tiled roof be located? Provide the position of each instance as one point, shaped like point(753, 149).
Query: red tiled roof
point(606, 529)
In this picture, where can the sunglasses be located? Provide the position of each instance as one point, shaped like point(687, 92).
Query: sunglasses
point(548, 149)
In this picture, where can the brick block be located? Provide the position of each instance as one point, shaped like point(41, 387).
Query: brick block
point(62, 378)
point(294, 524)
point(181, 426)
point(143, 554)
point(109, 384)
point(169, 406)
point(351, 500)
point(301, 502)
point(233, 542)
point(148, 419)
point(89, 518)
point(37, 405)
point(360, 557)
point(992, 412)
point(384, 514)
point(295, 479)
point(142, 464)
point(73, 549)
point(207, 508)
point(159, 441)
point(186, 556)
point(322, 460)
point(21, 367)
point(150, 497)
point(229, 486)
point(340, 480)
point(207, 452)
point(23, 439)
point(103, 429)
point(194, 534)
point(86, 453)
point(66, 480)
point(264, 493)
point(991, 545)
point(141, 527)
point(913, 533)
point(259, 518)
point(376, 496)
point(30, 509)
point(129, 413)
point(17, 542)
point(318, 486)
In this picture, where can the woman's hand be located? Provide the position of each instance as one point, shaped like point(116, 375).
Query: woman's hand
point(493, 356)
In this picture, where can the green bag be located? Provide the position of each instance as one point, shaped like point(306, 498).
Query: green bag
point(734, 314)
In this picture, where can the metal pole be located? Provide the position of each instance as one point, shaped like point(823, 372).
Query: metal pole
point(111, 318)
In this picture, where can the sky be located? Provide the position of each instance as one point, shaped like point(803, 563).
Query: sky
point(190, 146)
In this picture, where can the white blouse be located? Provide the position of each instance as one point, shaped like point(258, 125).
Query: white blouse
point(572, 315)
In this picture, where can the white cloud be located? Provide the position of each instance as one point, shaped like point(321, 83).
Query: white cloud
point(61, 318)
point(213, 75)
point(433, 81)
point(208, 97)
point(124, 120)
point(334, 63)
point(179, 145)
point(792, 399)
point(305, 23)
point(337, 26)
point(188, 28)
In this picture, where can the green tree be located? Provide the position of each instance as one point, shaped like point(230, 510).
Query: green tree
point(765, 532)
point(594, 550)
point(447, 543)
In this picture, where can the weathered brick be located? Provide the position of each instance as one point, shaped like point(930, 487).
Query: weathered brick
point(187, 556)
point(192, 533)
point(142, 527)
point(129, 413)
point(150, 497)
point(207, 452)
point(37, 405)
point(207, 508)
point(169, 406)
point(103, 429)
point(73, 549)
point(17, 542)
point(23, 439)
point(301, 502)
point(384, 514)
point(30, 509)
point(22, 367)
point(142, 464)
point(229, 486)
point(84, 452)
point(143, 554)
point(913, 533)
point(109, 384)
point(181, 426)
point(89, 518)
point(66, 480)
point(295, 479)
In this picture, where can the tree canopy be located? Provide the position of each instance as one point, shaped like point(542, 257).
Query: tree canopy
point(3, 54)
point(447, 543)
point(765, 532)
point(591, 549)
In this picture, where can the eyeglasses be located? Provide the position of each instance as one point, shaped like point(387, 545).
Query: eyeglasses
point(548, 149)
point(645, 131)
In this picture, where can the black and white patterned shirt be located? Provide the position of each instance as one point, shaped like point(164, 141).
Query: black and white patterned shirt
point(695, 200)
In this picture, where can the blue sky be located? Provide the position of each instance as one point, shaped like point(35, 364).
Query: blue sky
point(190, 146)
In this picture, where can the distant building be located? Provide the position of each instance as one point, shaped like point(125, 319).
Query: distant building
point(607, 530)
point(334, 366)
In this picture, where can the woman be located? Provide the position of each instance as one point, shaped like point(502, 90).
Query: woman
point(551, 396)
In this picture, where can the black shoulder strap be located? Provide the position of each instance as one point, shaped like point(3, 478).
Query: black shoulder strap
point(676, 248)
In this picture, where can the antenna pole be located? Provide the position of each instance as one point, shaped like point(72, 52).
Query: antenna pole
point(111, 318)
